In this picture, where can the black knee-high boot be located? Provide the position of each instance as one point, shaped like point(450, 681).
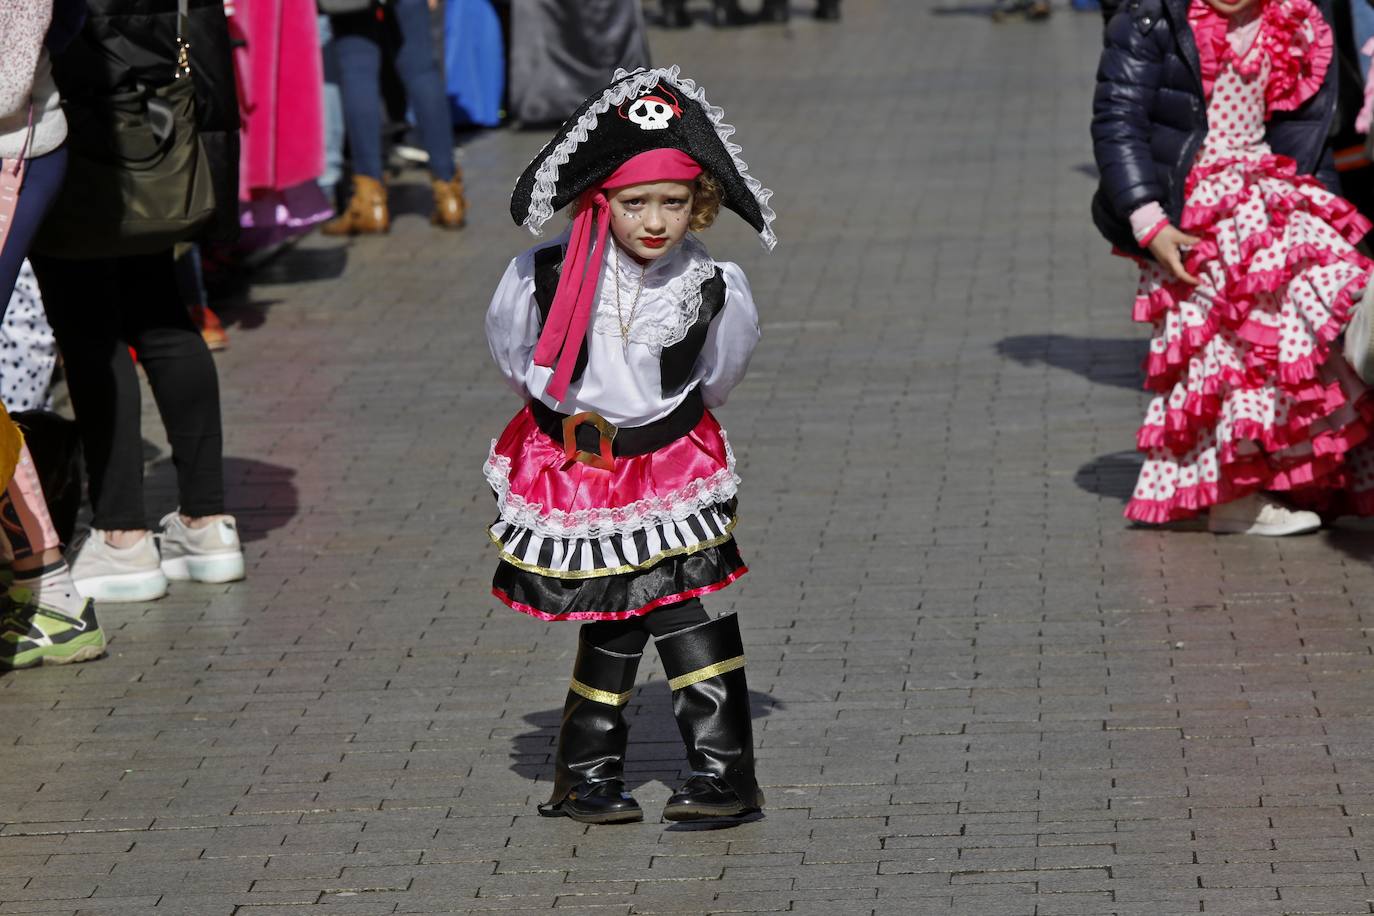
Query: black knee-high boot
point(588, 784)
point(705, 668)
point(828, 10)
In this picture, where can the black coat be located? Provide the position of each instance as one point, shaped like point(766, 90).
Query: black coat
point(1150, 117)
point(125, 42)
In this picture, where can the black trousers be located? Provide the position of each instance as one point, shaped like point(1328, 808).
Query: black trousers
point(98, 309)
point(629, 637)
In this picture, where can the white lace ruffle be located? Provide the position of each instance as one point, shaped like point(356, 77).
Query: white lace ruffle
point(667, 307)
point(676, 506)
point(546, 176)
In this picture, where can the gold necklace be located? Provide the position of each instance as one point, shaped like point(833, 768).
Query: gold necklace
point(627, 323)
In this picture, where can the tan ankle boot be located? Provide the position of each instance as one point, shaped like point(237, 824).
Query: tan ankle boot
point(450, 207)
point(366, 213)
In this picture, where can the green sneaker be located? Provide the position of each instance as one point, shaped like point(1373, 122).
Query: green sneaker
point(34, 634)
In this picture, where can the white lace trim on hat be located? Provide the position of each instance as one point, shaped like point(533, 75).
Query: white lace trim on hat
point(546, 176)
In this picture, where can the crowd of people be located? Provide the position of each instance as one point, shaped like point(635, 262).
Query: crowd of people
point(148, 142)
point(141, 137)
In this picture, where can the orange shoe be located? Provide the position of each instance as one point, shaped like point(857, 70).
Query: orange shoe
point(367, 212)
point(211, 330)
point(450, 206)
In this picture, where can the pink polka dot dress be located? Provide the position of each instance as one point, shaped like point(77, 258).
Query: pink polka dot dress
point(1250, 393)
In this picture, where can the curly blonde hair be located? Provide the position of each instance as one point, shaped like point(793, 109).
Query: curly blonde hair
point(706, 193)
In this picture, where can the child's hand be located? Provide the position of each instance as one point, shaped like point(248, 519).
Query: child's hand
point(1167, 247)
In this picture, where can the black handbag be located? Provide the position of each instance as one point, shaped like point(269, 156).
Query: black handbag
point(138, 179)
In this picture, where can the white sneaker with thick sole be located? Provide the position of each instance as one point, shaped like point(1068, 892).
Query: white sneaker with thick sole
point(114, 574)
point(1262, 515)
point(209, 554)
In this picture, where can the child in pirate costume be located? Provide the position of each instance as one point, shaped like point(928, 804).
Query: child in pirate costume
point(616, 486)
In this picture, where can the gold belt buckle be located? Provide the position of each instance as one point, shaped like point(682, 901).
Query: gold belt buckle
point(605, 431)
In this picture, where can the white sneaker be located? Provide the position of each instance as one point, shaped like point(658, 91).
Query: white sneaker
point(107, 573)
point(1262, 515)
point(209, 554)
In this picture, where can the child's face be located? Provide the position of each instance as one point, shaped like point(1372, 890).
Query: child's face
point(649, 219)
point(1232, 7)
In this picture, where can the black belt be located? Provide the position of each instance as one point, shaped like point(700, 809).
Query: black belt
point(589, 438)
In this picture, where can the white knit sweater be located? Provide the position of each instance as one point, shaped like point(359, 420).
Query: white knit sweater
point(26, 78)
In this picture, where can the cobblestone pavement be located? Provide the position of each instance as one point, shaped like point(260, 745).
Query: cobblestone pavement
point(978, 691)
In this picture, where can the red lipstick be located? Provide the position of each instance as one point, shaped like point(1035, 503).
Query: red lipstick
point(653, 241)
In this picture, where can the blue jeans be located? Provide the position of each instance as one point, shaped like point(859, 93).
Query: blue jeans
point(1362, 16)
point(333, 112)
point(42, 180)
point(357, 44)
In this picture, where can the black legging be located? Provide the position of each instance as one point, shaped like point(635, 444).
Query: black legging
point(629, 637)
point(98, 309)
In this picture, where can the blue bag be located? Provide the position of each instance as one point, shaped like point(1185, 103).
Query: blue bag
point(474, 62)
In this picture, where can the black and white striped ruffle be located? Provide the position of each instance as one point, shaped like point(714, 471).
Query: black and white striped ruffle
point(580, 558)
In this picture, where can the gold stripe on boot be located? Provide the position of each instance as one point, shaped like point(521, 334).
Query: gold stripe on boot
point(600, 696)
point(710, 671)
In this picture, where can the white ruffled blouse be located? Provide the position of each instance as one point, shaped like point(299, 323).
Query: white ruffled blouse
point(622, 381)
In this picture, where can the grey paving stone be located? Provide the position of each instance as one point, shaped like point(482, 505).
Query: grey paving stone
point(977, 690)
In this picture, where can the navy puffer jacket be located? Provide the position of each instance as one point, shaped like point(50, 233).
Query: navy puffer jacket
point(1150, 116)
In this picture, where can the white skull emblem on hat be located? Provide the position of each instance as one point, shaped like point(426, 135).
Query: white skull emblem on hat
point(651, 113)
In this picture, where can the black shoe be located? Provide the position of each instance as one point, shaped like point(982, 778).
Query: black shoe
point(775, 11)
point(705, 668)
point(675, 14)
point(828, 10)
point(703, 797)
point(604, 802)
point(727, 14)
point(590, 761)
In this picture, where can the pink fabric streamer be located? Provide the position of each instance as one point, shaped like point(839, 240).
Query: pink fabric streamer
point(566, 328)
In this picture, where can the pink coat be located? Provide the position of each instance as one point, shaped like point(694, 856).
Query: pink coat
point(281, 81)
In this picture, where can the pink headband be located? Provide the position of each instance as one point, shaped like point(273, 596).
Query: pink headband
point(563, 333)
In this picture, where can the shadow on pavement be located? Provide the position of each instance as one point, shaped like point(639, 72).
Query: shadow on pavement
point(230, 289)
point(655, 751)
point(983, 10)
point(261, 496)
point(1104, 361)
point(296, 263)
point(1110, 476)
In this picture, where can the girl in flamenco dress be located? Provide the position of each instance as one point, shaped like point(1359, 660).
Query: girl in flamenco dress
point(1210, 120)
point(615, 485)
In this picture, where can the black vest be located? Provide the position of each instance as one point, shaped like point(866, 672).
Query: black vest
point(675, 367)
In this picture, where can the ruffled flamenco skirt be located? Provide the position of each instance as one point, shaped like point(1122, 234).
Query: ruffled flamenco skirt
point(582, 543)
point(1249, 394)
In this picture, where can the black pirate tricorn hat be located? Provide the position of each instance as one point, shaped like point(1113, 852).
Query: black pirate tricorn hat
point(638, 112)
